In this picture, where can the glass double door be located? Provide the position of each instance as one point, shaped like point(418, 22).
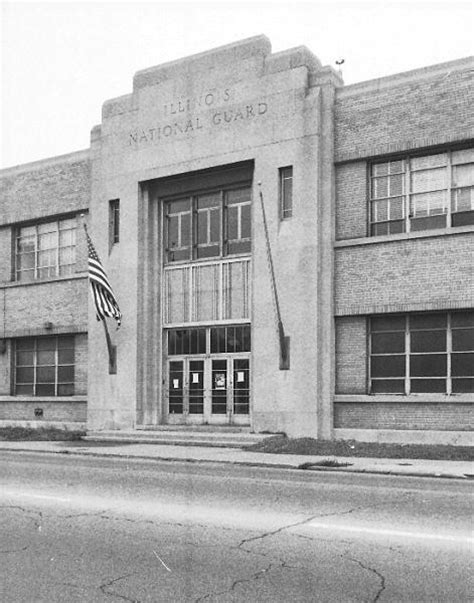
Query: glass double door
point(208, 390)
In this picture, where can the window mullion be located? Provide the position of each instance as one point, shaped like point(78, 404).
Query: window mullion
point(223, 237)
point(56, 368)
point(57, 248)
point(450, 179)
point(407, 166)
point(407, 355)
point(449, 348)
point(35, 365)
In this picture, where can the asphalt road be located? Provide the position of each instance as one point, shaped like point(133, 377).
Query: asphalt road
point(95, 529)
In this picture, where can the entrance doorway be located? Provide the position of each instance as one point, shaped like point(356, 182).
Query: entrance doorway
point(208, 391)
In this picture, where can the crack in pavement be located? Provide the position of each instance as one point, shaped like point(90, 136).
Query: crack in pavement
point(28, 512)
point(299, 523)
point(373, 571)
point(105, 585)
point(15, 550)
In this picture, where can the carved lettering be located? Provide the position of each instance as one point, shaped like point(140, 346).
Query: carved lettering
point(227, 115)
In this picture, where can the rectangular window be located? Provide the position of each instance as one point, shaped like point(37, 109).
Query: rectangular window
point(45, 250)
point(422, 353)
point(420, 193)
point(210, 225)
point(223, 340)
point(44, 366)
point(114, 221)
point(286, 192)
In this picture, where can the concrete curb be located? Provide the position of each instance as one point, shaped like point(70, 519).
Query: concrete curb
point(235, 457)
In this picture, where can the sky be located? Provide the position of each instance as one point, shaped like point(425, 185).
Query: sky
point(59, 61)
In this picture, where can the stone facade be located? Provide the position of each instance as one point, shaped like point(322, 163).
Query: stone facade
point(230, 118)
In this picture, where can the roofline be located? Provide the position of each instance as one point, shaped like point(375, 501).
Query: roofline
point(47, 162)
point(402, 77)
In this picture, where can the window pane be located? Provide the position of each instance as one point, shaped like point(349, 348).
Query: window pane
point(379, 187)
point(428, 341)
point(463, 175)
point(25, 344)
point(232, 222)
point(25, 261)
point(46, 374)
point(201, 219)
point(429, 180)
point(428, 321)
point(65, 342)
point(25, 375)
point(396, 208)
point(24, 358)
point(429, 365)
point(46, 343)
point(460, 386)
point(239, 195)
point(218, 340)
point(428, 204)
point(215, 226)
point(420, 386)
point(66, 356)
point(24, 390)
point(464, 218)
point(173, 232)
point(384, 343)
point(462, 156)
point(463, 339)
point(66, 389)
point(45, 390)
point(388, 323)
point(428, 161)
point(46, 357)
point(380, 210)
point(182, 205)
point(388, 366)
point(388, 386)
point(245, 221)
point(66, 374)
point(462, 365)
point(205, 201)
point(380, 169)
point(462, 319)
point(185, 230)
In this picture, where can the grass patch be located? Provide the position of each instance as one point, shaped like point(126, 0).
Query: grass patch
point(41, 434)
point(283, 445)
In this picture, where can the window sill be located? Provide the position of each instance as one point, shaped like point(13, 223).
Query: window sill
point(411, 399)
point(404, 236)
point(56, 279)
point(43, 399)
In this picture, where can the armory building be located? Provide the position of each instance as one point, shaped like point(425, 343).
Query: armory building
point(289, 254)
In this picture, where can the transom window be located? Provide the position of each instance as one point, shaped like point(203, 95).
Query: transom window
point(44, 366)
point(214, 340)
point(419, 193)
point(422, 353)
point(208, 225)
point(45, 250)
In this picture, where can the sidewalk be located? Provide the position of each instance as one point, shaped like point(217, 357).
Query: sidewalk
point(236, 456)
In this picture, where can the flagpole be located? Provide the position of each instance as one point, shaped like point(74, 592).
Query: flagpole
point(112, 349)
point(284, 340)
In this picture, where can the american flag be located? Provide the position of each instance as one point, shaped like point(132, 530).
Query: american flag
point(104, 298)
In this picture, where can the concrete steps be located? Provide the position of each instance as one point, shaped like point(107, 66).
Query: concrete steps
point(221, 437)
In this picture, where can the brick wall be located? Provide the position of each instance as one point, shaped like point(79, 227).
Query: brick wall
point(45, 188)
point(405, 275)
point(351, 355)
point(352, 205)
point(405, 111)
point(416, 415)
point(52, 411)
point(28, 307)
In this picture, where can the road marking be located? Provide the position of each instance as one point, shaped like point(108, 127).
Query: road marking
point(20, 494)
point(396, 533)
point(160, 559)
